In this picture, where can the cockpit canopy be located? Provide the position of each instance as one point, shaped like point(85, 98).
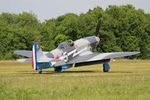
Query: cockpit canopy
point(65, 45)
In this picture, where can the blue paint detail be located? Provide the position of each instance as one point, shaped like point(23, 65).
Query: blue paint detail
point(65, 66)
point(106, 67)
point(62, 68)
point(35, 47)
point(44, 65)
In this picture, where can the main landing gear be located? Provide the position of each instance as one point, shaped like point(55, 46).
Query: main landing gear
point(61, 68)
point(106, 67)
point(58, 69)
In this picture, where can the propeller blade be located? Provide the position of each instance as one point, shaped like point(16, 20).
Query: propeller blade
point(97, 31)
point(98, 26)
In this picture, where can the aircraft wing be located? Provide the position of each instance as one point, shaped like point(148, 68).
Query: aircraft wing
point(90, 57)
point(85, 57)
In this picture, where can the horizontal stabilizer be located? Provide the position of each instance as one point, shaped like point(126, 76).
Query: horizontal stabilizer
point(25, 53)
point(24, 60)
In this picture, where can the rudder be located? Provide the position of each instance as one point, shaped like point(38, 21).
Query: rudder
point(34, 56)
point(39, 60)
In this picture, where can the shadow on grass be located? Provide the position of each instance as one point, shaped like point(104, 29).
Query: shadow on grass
point(72, 72)
point(52, 72)
point(120, 72)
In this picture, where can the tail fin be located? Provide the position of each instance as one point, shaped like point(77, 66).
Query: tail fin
point(38, 58)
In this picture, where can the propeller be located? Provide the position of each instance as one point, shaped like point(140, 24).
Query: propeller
point(98, 26)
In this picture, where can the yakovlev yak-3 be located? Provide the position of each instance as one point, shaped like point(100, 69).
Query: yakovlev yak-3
point(70, 53)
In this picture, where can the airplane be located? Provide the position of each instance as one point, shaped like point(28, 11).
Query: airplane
point(70, 53)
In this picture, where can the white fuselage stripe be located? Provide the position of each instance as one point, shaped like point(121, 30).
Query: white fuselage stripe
point(34, 59)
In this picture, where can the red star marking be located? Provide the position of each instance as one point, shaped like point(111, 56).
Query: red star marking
point(57, 57)
point(76, 46)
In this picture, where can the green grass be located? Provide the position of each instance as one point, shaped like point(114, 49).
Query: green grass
point(127, 80)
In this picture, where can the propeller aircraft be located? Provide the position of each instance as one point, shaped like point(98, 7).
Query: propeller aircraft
point(70, 53)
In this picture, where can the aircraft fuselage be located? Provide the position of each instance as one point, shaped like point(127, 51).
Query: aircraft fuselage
point(69, 49)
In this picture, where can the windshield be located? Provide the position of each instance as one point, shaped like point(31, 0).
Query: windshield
point(66, 44)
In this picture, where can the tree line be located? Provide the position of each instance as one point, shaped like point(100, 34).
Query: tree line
point(124, 28)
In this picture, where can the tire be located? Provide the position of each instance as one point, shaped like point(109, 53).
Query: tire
point(40, 72)
point(106, 67)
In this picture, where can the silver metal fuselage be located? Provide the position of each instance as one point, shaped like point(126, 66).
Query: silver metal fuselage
point(73, 48)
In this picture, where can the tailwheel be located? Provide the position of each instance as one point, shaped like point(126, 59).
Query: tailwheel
point(40, 72)
point(106, 67)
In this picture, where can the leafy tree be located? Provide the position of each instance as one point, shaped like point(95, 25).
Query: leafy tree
point(60, 38)
point(48, 33)
point(17, 32)
point(67, 25)
point(124, 28)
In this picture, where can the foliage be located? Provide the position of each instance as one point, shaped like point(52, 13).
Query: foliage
point(124, 28)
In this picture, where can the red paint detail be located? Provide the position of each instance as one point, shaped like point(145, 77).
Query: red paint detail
point(76, 46)
point(32, 61)
point(57, 57)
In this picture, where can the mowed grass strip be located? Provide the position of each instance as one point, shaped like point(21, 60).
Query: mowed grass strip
point(127, 80)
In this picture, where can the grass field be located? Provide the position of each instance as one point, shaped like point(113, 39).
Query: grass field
point(127, 80)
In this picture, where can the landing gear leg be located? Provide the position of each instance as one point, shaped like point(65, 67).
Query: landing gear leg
point(58, 69)
point(40, 71)
point(106, 67)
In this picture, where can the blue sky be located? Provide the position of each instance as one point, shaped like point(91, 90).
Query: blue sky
point(45, 9)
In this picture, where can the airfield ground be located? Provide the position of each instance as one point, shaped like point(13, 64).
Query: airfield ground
point(127, 80)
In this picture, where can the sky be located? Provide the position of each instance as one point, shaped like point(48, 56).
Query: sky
point(46, 9)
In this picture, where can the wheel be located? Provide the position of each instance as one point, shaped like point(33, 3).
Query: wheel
point(40, 72)
point(106, 67)
point(58, 69)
